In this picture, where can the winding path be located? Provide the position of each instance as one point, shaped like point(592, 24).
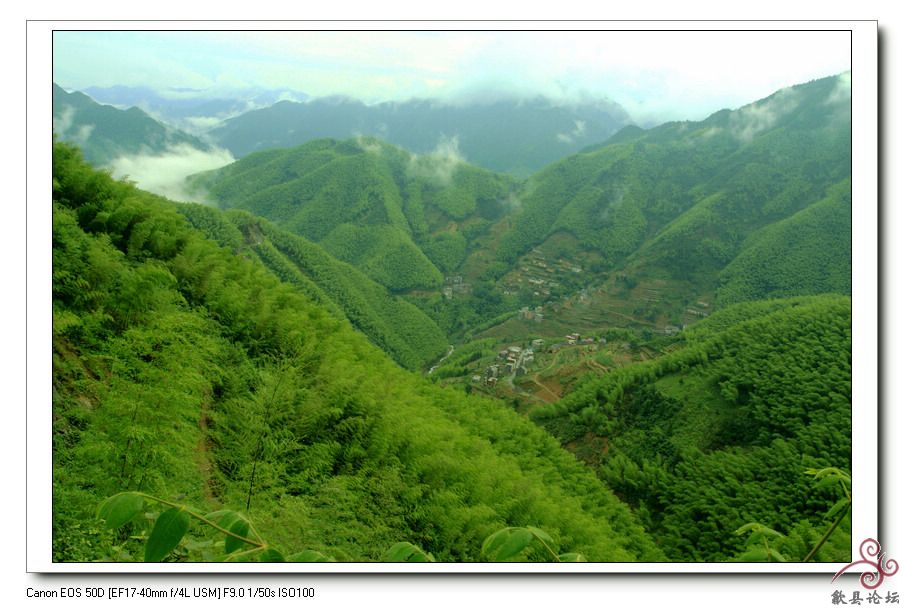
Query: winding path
point(441, 360)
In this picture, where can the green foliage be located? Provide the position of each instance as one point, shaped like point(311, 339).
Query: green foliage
point(446, 249)
point(188, 369)
point(758, 546)
point(524, 544)
point(241, 540)
point(385, 254)
point(766, 545)
point(807, 253)
point(391, 323)
point(368, 203)
point(120, 509)
point(168, 530)
point(719, 432)
point(406, 552)
point(681, 199)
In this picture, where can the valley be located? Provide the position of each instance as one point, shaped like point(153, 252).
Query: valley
point(637, 344)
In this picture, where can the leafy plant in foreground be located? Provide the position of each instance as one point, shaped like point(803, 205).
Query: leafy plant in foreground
point(241, 541)
point(528, 542)
point(764, 543)
point(829, 477)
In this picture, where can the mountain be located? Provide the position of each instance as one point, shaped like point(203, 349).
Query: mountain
point(191, 108)
point(189, 372)
point(653, 221)
point(643, 351)
point(404, 219)
point(511, 136)
point(105, 133)
point(700, 204)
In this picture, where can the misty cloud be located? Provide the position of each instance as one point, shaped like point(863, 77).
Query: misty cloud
point(513, 202)
point(439, 165)
point(201, 124)
point(164, 174)
point(569, 137)
point(370, 145)
point(754, 119)
point(841, 94)
point(656, 76)
point(64, 123)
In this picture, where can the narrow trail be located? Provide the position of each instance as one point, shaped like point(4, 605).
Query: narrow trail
point(536, 380)
point(441, 360)
point(596, 366)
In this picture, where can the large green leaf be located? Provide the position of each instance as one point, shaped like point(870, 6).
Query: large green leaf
point(758, 529)
point(543, 536)
point(120, 509)
point(240, 527)
point(842, 504)
point(271, 555)
point(572, 557)
point(506, 543)
point(755, 555)
point(168, 530)
point(223, 518)
point(406, 552)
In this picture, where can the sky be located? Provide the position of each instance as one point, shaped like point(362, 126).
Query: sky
point(655, 76)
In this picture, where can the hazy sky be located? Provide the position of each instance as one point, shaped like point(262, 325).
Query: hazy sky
point(656, 76)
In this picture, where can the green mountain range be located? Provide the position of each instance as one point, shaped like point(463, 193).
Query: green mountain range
point(640, 352)
point(505, 135)
point(405, 219)
point(187, 370)
point(680, 200)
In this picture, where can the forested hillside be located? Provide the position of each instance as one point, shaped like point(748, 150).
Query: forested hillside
point(683, 213)
point(641, 352)
point(720, 431)
point(680, 200)
point(105, 133)
point(391, 323)
point(404, 219)
point(187, 371)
